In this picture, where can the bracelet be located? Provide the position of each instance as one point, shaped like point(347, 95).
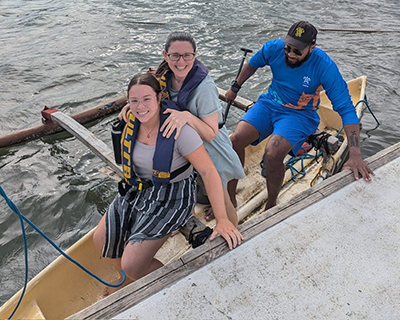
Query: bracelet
point(235, 87)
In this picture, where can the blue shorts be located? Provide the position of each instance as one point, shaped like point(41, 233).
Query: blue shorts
point(268, 118)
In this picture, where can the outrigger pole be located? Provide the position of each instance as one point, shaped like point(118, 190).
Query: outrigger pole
point(49, 127)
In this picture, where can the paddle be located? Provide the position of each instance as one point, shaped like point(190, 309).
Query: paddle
point(237, 75)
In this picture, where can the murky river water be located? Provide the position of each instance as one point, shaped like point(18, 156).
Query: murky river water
point(72, 55)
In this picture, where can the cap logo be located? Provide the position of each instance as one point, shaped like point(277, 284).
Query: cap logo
point(299, 32)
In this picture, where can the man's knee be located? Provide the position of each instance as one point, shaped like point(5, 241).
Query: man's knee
point(276, 149)
point(243, 135)
point(271, 158)
point(236, 140)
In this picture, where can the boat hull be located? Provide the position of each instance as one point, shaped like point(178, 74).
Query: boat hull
point(62, 289)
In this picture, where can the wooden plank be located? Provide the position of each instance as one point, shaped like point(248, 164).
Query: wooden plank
point(334, 183)
point(281, 215)
point(241, 103)
point(277, 214)
point(98, 147)
point(258, 224)
point(384, 156)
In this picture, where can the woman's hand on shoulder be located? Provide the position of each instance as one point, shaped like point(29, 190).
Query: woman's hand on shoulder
point(175, 121)
point(227, 230)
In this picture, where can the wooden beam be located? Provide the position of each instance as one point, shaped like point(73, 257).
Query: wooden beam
point(98, 147)
point(240, 103)
point(47, 128)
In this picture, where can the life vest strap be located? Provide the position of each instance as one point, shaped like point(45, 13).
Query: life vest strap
point(180, 170)
point(143, 184)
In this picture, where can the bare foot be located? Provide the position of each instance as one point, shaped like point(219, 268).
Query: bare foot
point(208, 214)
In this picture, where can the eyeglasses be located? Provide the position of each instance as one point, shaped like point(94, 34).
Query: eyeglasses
point(145, 101)
point(289, 49)
point(189, 56)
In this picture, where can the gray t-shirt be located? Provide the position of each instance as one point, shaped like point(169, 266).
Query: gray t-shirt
point(187, 142)
point(202, 102)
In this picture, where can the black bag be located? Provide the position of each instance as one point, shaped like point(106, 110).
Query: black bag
point(116, 136)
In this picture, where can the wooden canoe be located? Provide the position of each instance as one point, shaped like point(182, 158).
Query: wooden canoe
point(62, 289)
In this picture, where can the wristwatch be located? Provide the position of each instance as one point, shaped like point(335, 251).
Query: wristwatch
point(235, 87)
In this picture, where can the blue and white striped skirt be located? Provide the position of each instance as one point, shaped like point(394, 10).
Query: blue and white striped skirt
point(148, 214)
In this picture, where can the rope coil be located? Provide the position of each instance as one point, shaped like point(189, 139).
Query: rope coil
point(14, 208)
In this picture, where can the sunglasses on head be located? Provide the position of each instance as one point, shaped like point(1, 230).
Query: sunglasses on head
point(289, 49)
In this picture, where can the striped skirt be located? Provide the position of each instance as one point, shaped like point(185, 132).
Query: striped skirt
point(148, 214)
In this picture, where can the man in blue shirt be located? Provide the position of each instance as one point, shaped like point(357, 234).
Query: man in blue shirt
point(288, 111)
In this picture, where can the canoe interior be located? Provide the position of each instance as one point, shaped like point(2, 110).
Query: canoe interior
point(62, 289)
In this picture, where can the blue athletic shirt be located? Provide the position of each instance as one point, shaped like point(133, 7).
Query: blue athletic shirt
point(299, 88)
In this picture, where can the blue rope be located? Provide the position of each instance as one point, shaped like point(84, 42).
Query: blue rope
point(291, 162)
point(367, 132)
point(14, 208)
point(370, 110)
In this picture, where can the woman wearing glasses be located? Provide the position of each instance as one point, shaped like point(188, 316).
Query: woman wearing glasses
point(159, 195)
point(185, 80)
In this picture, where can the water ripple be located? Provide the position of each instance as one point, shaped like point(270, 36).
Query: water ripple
point(73, 57)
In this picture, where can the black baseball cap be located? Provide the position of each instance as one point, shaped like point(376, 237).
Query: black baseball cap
point(301, 34)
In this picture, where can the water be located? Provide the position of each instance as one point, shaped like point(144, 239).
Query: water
point(73, 55)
